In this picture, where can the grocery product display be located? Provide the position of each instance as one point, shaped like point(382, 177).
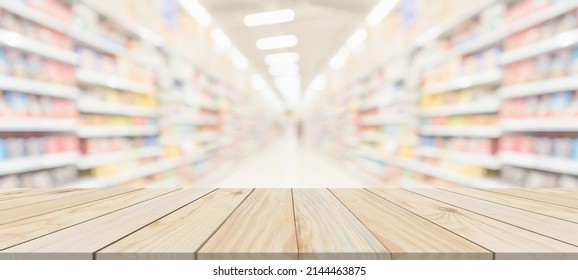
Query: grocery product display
point(87, 100)
point(494, 104)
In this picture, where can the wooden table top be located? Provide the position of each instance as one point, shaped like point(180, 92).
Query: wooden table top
point(204, 223)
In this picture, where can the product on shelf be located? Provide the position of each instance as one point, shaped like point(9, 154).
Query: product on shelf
point(107, 120)
point(469, 145)
point(547, 66)
point(20, 64)
point(99, 146)
point(558, 105)
point(52, 178)
point(19, 147)
point(537, 179)
point(22, 105)
point(470, 120)
point(31, 30)
point(547, 146)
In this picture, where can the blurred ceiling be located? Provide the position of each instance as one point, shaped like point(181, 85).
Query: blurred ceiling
point(322, 27)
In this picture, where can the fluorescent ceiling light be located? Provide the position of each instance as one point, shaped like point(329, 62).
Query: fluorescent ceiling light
point(277, 42)
point(197, 11)
point(381, 11)
point(357, 38)
point(338, 61)
point(239, 61)
point(288, 83)
point(266, 18)
point(284, 70)
point(282, 58)
point(259, 83)
point(221, 39)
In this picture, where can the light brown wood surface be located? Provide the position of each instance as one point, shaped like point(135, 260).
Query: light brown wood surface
point(544, 208)
point(20, 231)
point(27, 200)
point(17, 193)
point(525, 193)
point(494, 235)
point(263, 227)
point(406, 235)
point(327, 230)
point(80, 241)
point(31, 210)
point(288, 224)
point(555, 228)
point(181, 234)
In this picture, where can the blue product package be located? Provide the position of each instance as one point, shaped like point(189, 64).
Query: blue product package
point(3, 152)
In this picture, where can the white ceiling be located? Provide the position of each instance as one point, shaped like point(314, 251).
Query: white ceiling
point(322, 27)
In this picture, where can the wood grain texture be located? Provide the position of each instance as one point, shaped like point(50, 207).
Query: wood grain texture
point(554, 199)
point(18, 232)
point(544, 208)
point(405, 234)
point(327, 230)
point(181, 234)
point(263, 227)
point(17, 193)
point(82, 240)
point(555, 228)
point(504, 240)
point(31, 210)
point(27, 200)
point(565, 193)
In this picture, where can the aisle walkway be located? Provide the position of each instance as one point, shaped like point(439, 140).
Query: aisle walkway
point(284, 164)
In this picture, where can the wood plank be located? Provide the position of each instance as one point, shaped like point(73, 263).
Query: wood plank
point(555, 228)
point(18, 232)
point(564, 193)
point(405, 234)
point(6, 191)
point(327, 230)
point(179, 235)
point(31, 210)
point(82, 240)
point(563, 201)
point(27, 200)
point(263, 227)
point(17, 193)
point(505, 240)
point(552, 210)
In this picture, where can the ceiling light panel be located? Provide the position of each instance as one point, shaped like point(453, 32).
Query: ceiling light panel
point(268, 18)
point(381, 11)
point(356, 39)
point(221, 39)
point(277, 42)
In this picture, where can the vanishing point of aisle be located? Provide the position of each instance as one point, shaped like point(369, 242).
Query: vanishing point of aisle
point(287, 163)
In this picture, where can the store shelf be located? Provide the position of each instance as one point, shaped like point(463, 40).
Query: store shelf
point(487, 78)
point(544, 163)
point(462, 131)
point(93, 161)
point(18, 41)
point(385, 120)
point(478, 107)
point(386, 101)
point(373, 136)
point(92, 41)
point(8, 83)
point(561, 41)
point(96, 107)
point(542, 87)
point(37, 124)
point(141, 172)
point(93, 78)
point(196, 120)
point(437, 172)
point(554, 11)
point(487, 161)
point(35, 16)
point(540, 124)
point(28, 164)
point(115, 131)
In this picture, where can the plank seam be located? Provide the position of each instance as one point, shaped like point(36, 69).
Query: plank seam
point(368, 230)
point(42, 201)
point(295, 224)
point(106, 198)
point(431, 222)
point(69, 206)
point(96, 251)
point(527, 198)
point(497, 219)
point(222, 223)
point(516, 207)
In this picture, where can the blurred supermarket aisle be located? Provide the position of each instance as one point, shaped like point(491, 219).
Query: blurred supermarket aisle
point(286, 163)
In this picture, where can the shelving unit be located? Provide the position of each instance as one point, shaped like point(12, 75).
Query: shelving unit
point(465, 108)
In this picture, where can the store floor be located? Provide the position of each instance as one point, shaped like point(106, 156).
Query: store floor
point(287, 164)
